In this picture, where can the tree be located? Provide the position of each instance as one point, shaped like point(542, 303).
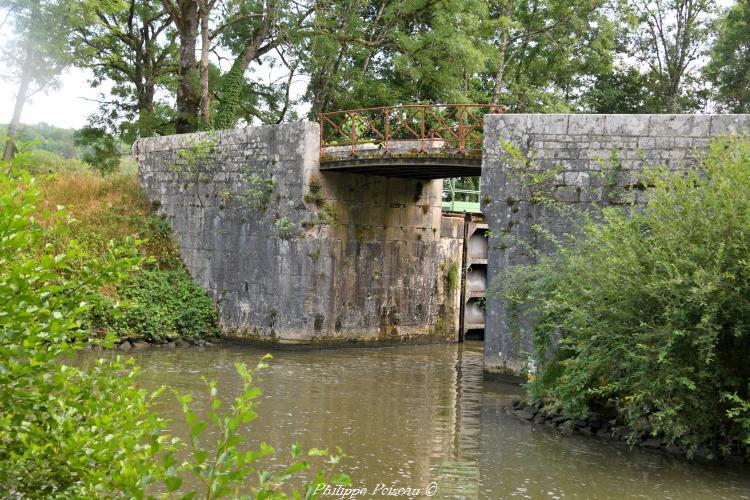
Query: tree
point(729, 65)
point(541, 47)
point(185, 17)
point(624, 90)
point(248, 40)
point(37, 53)
point(370, 53)
point(133, 47)
point(668, 37)
point(98, 148)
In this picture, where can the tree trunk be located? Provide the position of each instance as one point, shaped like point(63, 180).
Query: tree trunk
point(500, 70)
point(205, 103)
point(23, 88)
point(226, 116)
point(187, 100)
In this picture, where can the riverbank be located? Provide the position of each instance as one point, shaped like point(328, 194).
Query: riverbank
point(157, 303)
point(597, 426)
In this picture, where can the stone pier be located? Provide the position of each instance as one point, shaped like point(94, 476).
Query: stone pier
point(598, 159)
point(291, 254)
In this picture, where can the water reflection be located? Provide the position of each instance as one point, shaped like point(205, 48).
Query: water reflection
point(408, 416)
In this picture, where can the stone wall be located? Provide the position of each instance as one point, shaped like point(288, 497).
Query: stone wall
point(293, 255)
point(597, 161)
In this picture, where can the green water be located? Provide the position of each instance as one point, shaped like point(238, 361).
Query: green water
point(410, 416)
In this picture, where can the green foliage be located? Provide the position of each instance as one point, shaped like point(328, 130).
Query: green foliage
point(453, 276)
point(729, 66)
point(667, 40)
point(258, 192)
point(161, 304)
point(99, 149)
point(314, 193)
point(90, 432)
point(286, 229)
point(39, 161)
point(524, 168)
point(196, 154)
point(131, 45)
point(232, 84)
point(66, 432)
point(227, 468)
point(163, 300)
point(645, 316)
point(45, 137)
point(622, 91)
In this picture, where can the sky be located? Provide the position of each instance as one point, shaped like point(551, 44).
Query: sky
point(70, 105)
point(64, 107)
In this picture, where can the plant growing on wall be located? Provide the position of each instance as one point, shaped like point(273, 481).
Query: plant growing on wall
point(194, 158)
point(285, 229)
point(645, 316)
point(258, 192)
point(525, 169)
point(325, 211)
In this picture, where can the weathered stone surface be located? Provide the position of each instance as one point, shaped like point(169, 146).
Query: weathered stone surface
point(566, 427)
point(293, 255)
point(526, 413)
point(599, 158)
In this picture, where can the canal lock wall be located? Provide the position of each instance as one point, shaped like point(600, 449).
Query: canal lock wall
point(594, 161)
point(293, 255)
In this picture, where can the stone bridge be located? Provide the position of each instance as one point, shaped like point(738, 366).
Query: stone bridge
point(301, 236)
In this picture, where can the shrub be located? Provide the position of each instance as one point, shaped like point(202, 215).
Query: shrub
point(161, 304)
point(98, 148)
point(65, 432)
point(72, 432)
point(646, 316)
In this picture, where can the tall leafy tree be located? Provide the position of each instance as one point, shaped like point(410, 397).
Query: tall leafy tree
point(368, 53)
point(669, 38)
point(37, 53)
point(250, 30)
point(186, 19)
point(621, 90)
point(729, 65)
point(542, 50)
point(134, 47)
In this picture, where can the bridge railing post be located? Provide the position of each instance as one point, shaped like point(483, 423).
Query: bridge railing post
point(387, 129)
point(353, 116)
point(461, 139)
point(421, 133)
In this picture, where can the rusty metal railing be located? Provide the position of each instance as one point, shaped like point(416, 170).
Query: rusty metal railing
point(458, 127)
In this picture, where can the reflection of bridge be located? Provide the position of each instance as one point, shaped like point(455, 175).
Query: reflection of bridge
point(415, 141)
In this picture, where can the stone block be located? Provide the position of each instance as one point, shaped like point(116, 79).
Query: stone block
point(626, 125)
point(679, 125)
point(729, 124)
point(586, 125)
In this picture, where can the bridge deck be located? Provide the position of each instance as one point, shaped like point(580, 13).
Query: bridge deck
point(404, 160)
point(418, 141)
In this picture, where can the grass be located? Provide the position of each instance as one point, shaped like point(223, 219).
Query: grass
point(163, 300)
point(109, 208)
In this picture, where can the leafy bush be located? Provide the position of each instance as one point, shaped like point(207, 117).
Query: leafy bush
point(98, 148)
point(646, 316)
point(71, 432)
point(38, 161)
point(65, 432)
point(227, 470)
point(161, 304)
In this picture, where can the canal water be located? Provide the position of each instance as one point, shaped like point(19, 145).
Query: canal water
point(407, 417)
